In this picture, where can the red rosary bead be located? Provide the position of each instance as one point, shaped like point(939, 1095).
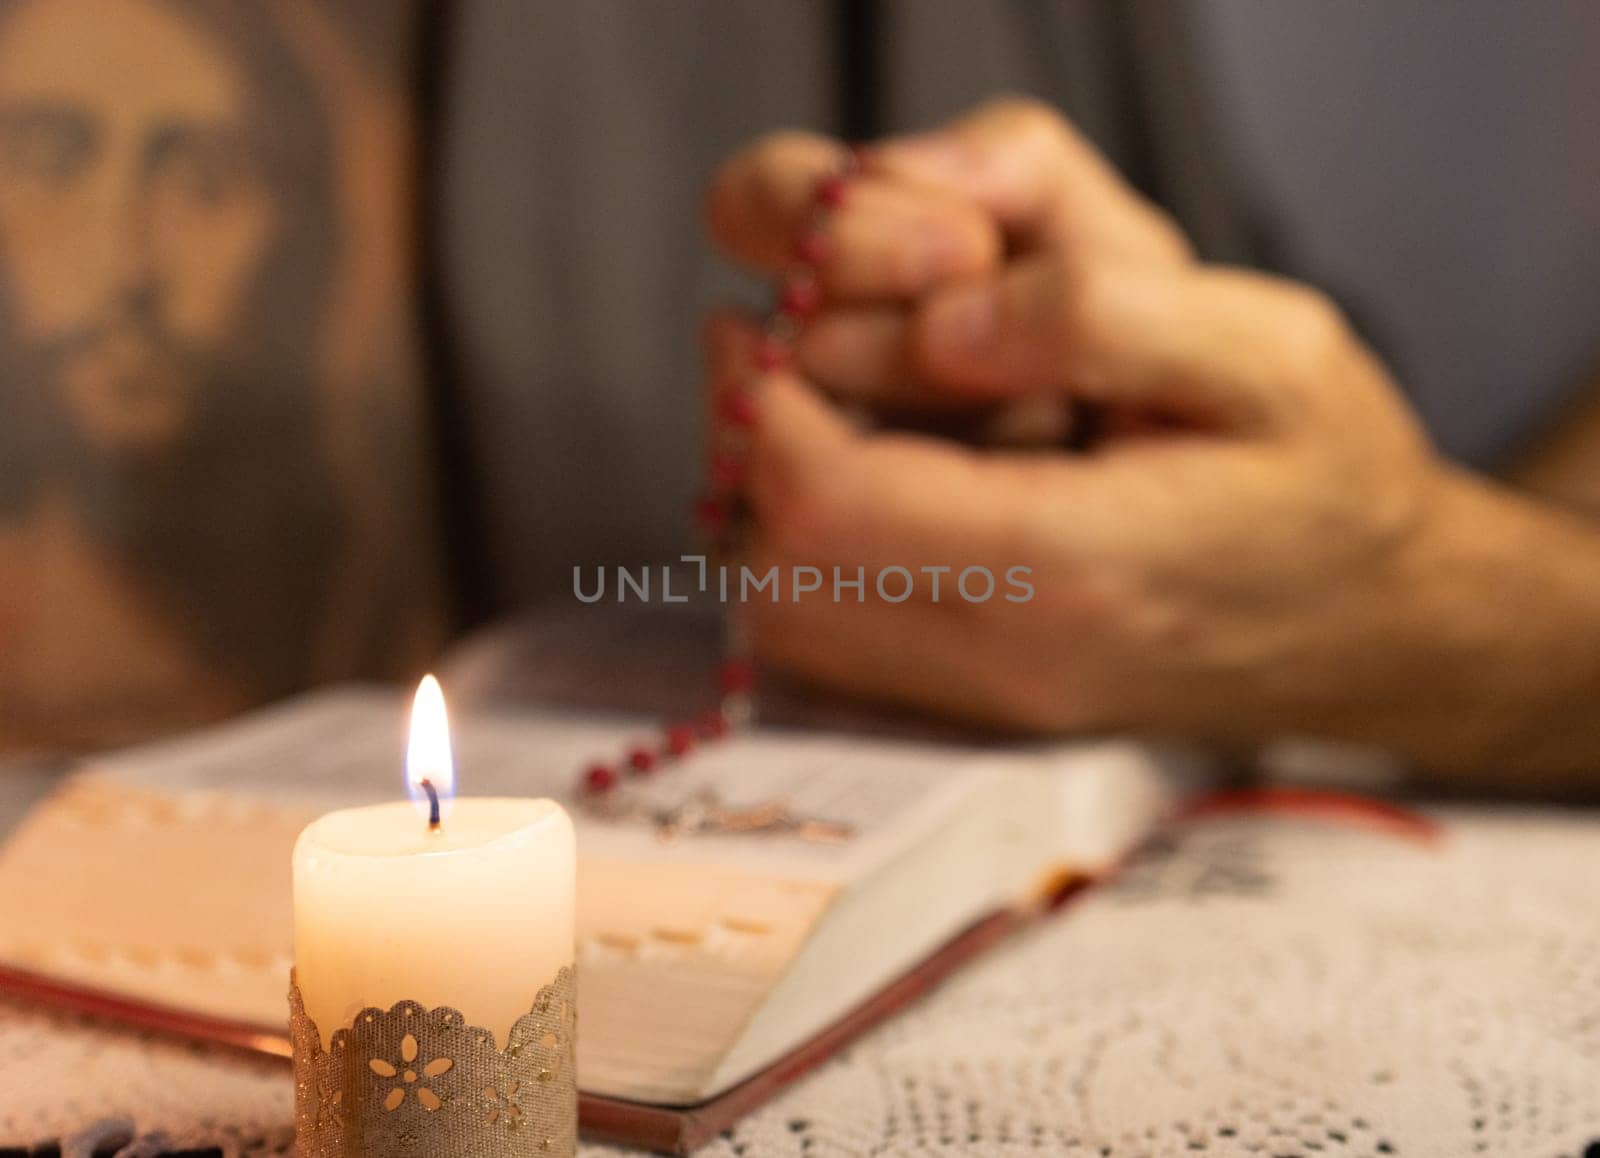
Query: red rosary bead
point(725, 471)
point(831, 191)
point(771, 355)
point(599, 778)
point(740, 409)
point(642, 761)
point(735, 677)
point(800, 299)
point(711, 516)
point(680, 738)
point(813, 248)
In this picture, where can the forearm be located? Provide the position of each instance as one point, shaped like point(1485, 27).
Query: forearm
point(1503, 634)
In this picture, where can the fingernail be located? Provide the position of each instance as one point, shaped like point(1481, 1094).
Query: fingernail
point(962, 321)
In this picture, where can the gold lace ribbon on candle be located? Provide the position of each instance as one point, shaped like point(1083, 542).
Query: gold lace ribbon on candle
point(412, 1082)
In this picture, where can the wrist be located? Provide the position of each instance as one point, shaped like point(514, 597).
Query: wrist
point(1502, 614)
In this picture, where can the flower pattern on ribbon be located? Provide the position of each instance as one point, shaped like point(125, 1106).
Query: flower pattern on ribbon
point(408, 1077)
point(504, 1109)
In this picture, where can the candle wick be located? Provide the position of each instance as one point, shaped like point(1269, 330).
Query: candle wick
point(433, 804)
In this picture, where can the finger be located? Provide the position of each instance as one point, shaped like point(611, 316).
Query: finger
point(819, 483)
point(1171, 342)
point(820, 486)
point(906, 655)
point(860, 356)
point(1040, 178)
point(732, 340)
point(879, 240)
point(887, 242)
point(1199, 346)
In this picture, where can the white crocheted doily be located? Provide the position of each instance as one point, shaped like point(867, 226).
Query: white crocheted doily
point(1257, 986)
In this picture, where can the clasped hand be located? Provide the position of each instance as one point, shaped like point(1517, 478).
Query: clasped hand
point(1258, 539)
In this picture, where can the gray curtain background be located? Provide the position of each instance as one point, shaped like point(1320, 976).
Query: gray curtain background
point(1434, 165)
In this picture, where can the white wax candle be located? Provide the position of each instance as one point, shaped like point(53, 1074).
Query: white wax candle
point(476, 916)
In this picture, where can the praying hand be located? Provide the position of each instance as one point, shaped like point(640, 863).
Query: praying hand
point(1257, 539)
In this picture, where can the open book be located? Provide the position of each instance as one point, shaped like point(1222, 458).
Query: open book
point(160, 876)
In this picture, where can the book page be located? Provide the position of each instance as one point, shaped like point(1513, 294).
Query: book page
point(344, 748)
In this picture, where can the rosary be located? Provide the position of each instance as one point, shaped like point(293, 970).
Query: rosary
point(722, 516)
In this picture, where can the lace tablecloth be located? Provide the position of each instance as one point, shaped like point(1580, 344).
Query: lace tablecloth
point(1255, 986)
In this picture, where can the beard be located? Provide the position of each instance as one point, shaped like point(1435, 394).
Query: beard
point(117, 413)
point(220, 510)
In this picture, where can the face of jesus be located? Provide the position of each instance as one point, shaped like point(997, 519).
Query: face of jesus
point(134, 213)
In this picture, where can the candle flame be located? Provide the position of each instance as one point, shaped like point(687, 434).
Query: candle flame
point(428, 754)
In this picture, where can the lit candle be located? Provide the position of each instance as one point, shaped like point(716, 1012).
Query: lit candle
point(462, 903)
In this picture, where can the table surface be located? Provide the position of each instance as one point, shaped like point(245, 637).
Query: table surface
point(1253, 985)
